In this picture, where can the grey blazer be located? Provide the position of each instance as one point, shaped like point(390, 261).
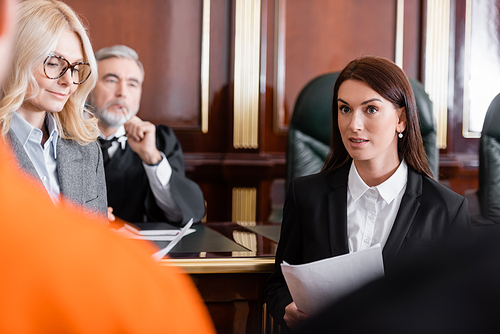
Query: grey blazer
point(80, 171)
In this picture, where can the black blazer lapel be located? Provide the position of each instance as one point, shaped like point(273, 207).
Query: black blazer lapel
point(337, 211)
point(404, 218)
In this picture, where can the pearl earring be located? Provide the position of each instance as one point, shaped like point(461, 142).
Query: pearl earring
point(400, 135)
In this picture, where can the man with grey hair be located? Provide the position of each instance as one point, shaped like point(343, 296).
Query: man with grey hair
point(143, 163)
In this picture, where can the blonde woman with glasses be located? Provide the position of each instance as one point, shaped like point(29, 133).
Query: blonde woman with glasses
point(42, 105)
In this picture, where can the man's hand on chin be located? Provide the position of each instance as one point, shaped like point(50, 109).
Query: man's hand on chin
point(141, 136)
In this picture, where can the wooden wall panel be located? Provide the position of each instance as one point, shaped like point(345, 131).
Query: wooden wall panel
point(310, 38)
point(323, 36)
point(318, 36)
point(218, 138)
point(413, 39)
point(167, 37)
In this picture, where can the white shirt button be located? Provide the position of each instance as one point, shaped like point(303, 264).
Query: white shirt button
point(372, 191)
point(367, 241)
point(371, 217)
point(44, 178)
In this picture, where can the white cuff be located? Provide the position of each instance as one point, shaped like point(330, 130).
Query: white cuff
point(163, 171)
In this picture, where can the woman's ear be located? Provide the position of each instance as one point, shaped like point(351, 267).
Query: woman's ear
point(401, 126)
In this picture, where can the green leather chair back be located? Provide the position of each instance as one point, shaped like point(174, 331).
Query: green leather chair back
point(489, 163)
point(428, 129)
point(310, 128)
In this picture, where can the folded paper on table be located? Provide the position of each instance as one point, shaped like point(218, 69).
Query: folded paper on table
point(314, 285)
point(162, 235)
point(164, 251)
point(150, 233)
point(130, 231)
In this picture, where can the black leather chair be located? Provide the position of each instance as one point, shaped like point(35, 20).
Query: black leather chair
point(489, 164)
point(310, 128)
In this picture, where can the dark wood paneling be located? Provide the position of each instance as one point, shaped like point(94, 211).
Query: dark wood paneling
point(271, 140)
point(218, 174)
point(167, 37)
point(413, 39)
point(320, 36)
point(218, 138)
point(233, 300)
point(323, 36)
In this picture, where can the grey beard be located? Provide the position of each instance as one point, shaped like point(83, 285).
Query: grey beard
point(112, 120)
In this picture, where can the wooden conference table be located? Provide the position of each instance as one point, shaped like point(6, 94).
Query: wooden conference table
point(229, 263)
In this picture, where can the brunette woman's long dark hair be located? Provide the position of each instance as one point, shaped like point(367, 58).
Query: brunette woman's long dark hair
point(390, 82)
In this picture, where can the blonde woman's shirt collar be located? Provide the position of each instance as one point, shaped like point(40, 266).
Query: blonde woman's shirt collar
point(43, 158)
point(24, 130)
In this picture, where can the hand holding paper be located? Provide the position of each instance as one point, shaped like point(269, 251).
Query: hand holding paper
point(314, 285)
point(293, 316)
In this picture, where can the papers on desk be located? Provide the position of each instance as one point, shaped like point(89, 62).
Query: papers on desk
point(316, 284)
point(132, 232)
point(162, 235)
point(172, 235)
point(164, 251)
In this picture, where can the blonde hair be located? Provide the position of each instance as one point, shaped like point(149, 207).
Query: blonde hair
point(40, 25)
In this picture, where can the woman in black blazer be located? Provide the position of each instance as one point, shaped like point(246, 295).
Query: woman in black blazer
point(375, 186)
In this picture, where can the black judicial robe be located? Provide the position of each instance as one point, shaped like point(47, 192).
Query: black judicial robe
point(130, 195)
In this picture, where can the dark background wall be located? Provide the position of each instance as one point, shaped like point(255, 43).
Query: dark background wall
point(299, 40)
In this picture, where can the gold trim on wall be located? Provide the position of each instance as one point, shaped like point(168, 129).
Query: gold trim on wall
point(246, 74)
point(205, 66)
point(400, 18)
point(436, 63)
point(244, 205)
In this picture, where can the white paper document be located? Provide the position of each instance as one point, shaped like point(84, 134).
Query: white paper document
point(162, 235)
point(164, 251)
point(132, 232)
point(316, 284)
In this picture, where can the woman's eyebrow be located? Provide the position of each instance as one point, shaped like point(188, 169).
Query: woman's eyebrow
point(371, 100)
point(61, 55)
point(340, 100)
point(362, 103)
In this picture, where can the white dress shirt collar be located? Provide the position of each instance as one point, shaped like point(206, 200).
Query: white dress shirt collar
point(43, 158)
point(388, 190)
point(119, 134)
point(23, 130)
